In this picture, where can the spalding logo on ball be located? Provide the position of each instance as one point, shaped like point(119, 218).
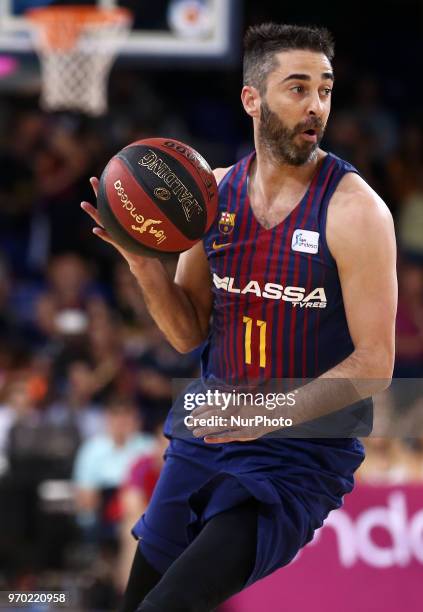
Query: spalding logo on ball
point(157, 196)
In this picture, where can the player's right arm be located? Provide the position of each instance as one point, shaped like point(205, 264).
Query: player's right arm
point(181, 307)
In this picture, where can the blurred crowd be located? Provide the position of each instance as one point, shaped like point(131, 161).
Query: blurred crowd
point(85, 376)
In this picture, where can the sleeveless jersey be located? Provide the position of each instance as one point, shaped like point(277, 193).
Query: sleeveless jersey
point(278, 309)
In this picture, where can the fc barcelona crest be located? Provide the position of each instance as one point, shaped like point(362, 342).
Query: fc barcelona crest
point(227, 223)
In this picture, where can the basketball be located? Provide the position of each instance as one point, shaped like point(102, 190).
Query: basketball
point(157, 197)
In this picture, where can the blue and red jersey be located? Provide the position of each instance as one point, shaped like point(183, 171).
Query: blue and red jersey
point(278, 310)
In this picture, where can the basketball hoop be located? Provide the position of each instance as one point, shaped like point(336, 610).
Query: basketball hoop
point(76, 46)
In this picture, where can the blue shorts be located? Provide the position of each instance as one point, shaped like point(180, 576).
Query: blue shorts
point(297, 482)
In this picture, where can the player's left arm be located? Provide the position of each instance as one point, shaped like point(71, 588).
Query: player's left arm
point(360, 235)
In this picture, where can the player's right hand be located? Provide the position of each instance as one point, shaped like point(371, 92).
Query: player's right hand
point(134, 260)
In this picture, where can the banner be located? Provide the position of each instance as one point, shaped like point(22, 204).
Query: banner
point(368, 556)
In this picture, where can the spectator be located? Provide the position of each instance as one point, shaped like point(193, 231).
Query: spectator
point(76, 404)
point(105, 346)
point(35, 452)
point(134, 497)
point(70, 282)
point(36, 449)
point(409, 326)
point(406, 176)
point(136, 323)
point(61, 308)
point(101, 465)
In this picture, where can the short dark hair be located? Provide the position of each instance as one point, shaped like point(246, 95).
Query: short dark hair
point(262, 41)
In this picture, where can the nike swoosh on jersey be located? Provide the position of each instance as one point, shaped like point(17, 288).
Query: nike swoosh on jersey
point(219, 246)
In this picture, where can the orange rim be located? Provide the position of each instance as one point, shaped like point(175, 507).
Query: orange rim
point(62, 25)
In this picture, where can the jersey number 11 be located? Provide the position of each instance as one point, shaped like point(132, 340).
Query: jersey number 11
point(248, 321)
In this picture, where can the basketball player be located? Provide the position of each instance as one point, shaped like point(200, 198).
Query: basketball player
point(295, 279)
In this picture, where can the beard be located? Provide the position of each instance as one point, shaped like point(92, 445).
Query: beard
point(279, 140)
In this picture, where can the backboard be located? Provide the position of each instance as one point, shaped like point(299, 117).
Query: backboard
point(163, 30)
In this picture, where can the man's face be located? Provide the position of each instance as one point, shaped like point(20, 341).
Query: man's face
point(295, 106)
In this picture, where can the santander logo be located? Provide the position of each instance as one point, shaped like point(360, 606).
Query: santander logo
point(356, 537)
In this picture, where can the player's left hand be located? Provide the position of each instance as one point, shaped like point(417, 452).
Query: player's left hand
point(223, 429)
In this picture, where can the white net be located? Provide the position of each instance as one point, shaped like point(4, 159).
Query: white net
point(76, 55)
